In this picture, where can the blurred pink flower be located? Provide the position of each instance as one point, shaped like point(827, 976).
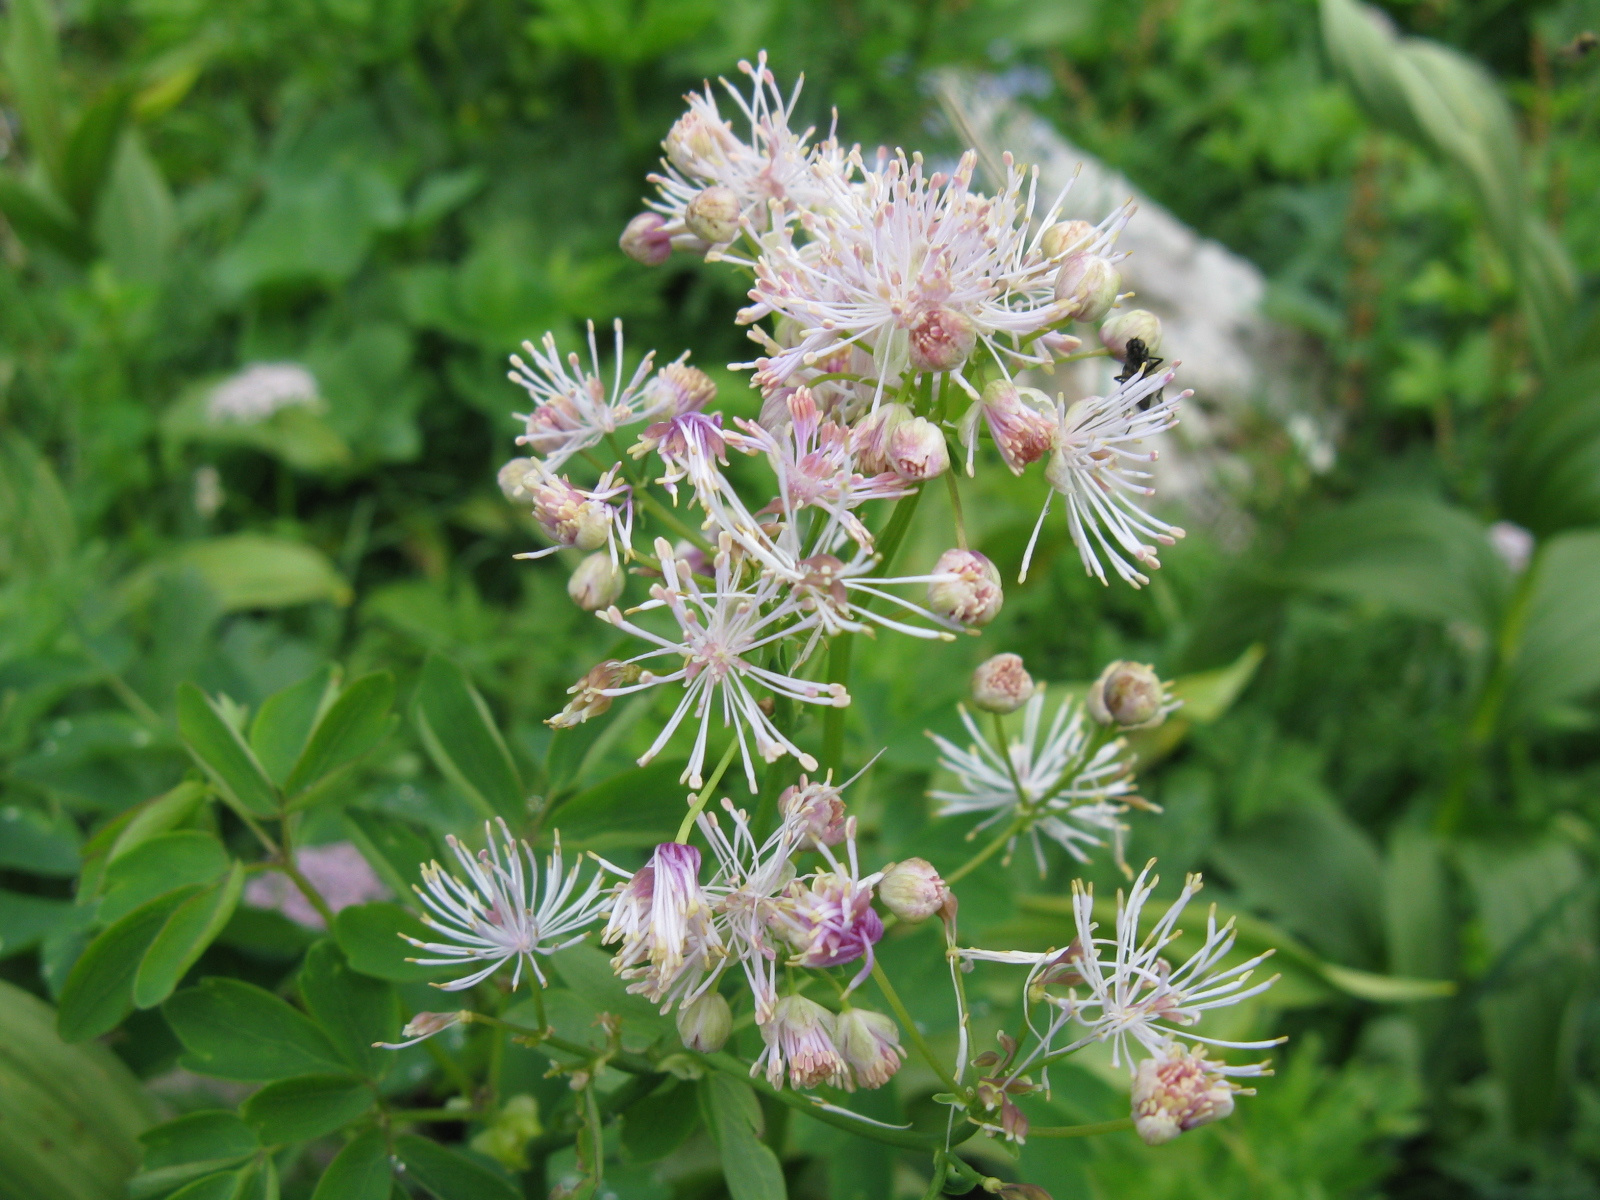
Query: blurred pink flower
point(337, 870)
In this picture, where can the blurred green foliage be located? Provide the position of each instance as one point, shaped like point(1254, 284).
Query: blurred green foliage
point(395, 193)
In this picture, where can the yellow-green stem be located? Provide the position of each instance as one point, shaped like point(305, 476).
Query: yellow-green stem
point(912, 1032)
point(697, 806)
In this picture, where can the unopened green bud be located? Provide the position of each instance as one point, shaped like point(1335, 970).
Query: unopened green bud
point(596, 583)
point(1128, 694)
point(1087, 286)
point(1064, 237)
point(713, 215)
point(705, 1024)
point(1121, 329)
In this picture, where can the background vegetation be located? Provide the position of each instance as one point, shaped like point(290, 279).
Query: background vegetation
point(397, 192)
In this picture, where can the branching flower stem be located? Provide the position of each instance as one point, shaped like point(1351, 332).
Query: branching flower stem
point(912, 1032)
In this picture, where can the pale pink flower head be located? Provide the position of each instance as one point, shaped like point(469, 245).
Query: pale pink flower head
point(870, 1043)
point(692, 446)
point(1178, 1089)
point(574, 408)
point(574, 517)
point(337, 870)
point(1022, 422)
point(815, 810)
point(591, 695)
point(829, 920)
point(645, 239)
point(799, 1038)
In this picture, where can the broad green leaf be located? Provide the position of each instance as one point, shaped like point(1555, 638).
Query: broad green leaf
point(450, 1175)
point(153, 868)
point(1406, 552)
point(71, 1114)
point(750, 1167)
point(42, 220)
point(312, 1106)
point(33, 70)
point(660, 1123)
point(1418, 917)
point(192, 927)
point(369, 935)
point(249, 570)
point(235, 1030)
point(638, 807)
point(99, 991)
point(464, 742)
point(198, 1136)
point(1209, 694)
point(360, 1171)
point(1558, 655)
point(396, 849)
point(1549, 475)
point(34, 842)
point(223, 754)
point(354, 1010)
point(258, 1180)
point(351, 726)
point(25, 919)
point(91, 148)
point(213, 1185)
point(587, 971)
point(157, 816)
point(286, 718)
point(137, 222)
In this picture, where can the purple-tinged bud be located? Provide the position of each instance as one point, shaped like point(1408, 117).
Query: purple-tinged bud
point(1066, 236)
point(974, 595)
point(1058, 344)
point(513, 479)
point(645, 239)
point(869, 438)
point(830, 923)
point(589, 697)
point(568, 516)
point(705, 1024)
point(941, 339)
point(1021, 420)
point(912, 890)
point(800, 1037)
point(1001, 684)
point(816, 810)
point(1087, 286)
point(596, 583)
point(1128, 694)
point(1175, 1092)
point(423, 1026)
point(917, 450)
point(1139, 323)
point(679, 388)
point(713, 215)
point(870, 1043)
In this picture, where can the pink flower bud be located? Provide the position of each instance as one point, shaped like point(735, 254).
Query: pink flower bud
point(589, 697)
point(870, 1043)
point(679, 388)
point(596, 583)
point(830, 923)
point(974, 595)
point(1001, 684)
point(1066, 236)
point(1128, 694)
point(799, 1037)
point(698, 145)
point(1139, 323)
point(1175, 1092)
point(815, 809)
point(423, 1026)
point(1022, 422)
point(513, 479)
point(917, 450)
point(713, 215)
point(941, 339)
point(1087, 286)
point(705, 1024)
point(869, 439)
point(645, 239)
point(912, 890)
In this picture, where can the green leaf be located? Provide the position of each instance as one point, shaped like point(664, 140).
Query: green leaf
point(448, 1174)
point(25, 919)
point(250, 570)
point(369, 935)
point(1209, 694)
point(99, 990)
point(464, 742)
point(396, 849)
point(186, 858)
point(223, 754)
point(91, 148)
point(1558, 655)
point(312, 1106)
point(1549, 476)
point(360, 1171)
point(198, 1136)
point(225, 1186)
point(285, 720)
point(33, 69)
point(1419, 917)
point(660, 1123)
point(33, 842)
point(352, 726)
point(587, 971)
point(749, 1165)
point(137, 222)
point(42, 220)
point(192, 927)
point(354, 1010)
point(1409, 553)
point(234, 1030)
point(637, 807)
point(157, 816)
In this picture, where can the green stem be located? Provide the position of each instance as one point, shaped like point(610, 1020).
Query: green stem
point(988, 852)
point(941, 1169)
point(699, 803)
point(307, 889)
point(955, 505)
point(912, 1032)
point(450, 1067)
point(1073, 1131)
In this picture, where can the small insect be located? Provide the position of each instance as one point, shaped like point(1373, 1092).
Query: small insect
point(1139, 361)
